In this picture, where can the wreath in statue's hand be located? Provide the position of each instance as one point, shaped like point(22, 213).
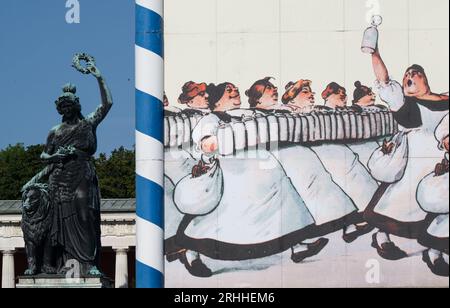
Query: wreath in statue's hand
point(89, 60)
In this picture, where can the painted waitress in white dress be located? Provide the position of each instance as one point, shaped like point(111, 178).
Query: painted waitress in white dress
point(344, 165)
point(254, 211)
point(334, 210)
point(178, 162)
point(418, 111)
point(433, 195)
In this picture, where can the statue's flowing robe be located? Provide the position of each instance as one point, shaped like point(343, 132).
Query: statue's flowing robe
point(75, 192)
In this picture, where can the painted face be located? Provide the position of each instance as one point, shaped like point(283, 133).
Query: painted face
point(368, 100)
point(230, 100)
point(166, 101)
point(415, 84)
point(200, 101)
point(269, 97)
point(446, 144)
point(305, 98)
point(338, 100)
point(210, 145)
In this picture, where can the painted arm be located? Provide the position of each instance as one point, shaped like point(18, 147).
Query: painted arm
point(390, 91)
point(380, 69)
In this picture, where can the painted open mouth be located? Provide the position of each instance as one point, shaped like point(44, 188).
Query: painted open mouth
point(410, 83)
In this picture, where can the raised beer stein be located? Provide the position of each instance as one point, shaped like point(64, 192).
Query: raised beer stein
point(370, 39)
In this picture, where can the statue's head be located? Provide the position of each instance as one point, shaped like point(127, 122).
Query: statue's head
point(415, 82)
point(33, 197)
point(68, 104)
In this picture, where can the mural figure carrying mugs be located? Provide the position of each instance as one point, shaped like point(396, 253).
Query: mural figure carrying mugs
point(418, 111)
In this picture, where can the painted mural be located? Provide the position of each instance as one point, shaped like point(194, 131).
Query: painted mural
point(301, 164)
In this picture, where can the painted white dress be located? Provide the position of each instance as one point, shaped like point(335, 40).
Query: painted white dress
point(399, 201)
point(177, 164)
point(365, 149)
point(260, 212)
point(326, 201)
point(433, 197)
point(348, 172)
point(311, 180)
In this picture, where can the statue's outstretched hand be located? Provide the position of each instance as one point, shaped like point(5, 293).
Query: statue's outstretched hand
point(93, 70)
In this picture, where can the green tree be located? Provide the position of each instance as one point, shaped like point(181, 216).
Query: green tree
point(17, 166)
point(117, 174)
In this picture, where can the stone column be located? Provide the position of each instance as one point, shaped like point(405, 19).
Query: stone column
point(121, 279)
point(8, 275)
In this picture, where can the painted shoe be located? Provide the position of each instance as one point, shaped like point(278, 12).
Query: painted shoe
point(313, 249)
point(439, 267)
point(360, 231)
point(197, 268)
point(172, 257)
point(388, 251)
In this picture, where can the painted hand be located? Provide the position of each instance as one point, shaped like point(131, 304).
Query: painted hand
point(210, 145)
point(442, 168)
point(387, 147)
point(200, 169)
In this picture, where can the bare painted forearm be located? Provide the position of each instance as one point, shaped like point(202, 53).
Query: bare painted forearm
point(380, 69)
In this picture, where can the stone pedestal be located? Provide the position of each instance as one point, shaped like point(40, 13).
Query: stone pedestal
point(61, 282)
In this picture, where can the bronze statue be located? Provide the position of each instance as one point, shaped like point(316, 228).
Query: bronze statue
point(72, 181)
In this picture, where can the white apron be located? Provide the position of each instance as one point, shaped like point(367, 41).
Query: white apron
point(348, 172)
point(364, 150)
point(324, 198)
point(177, 164)
point(439, 227)
point(172, 216)
point(259, 204)
point(399, 202)
point(433, 198)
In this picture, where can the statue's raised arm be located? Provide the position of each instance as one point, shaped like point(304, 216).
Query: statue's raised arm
point(102, 111)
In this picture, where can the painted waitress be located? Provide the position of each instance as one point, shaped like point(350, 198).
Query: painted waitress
point(418, 111)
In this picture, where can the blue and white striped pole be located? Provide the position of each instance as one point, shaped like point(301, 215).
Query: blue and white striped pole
point(149, 144)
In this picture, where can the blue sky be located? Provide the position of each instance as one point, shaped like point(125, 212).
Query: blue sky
point(36, 50)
